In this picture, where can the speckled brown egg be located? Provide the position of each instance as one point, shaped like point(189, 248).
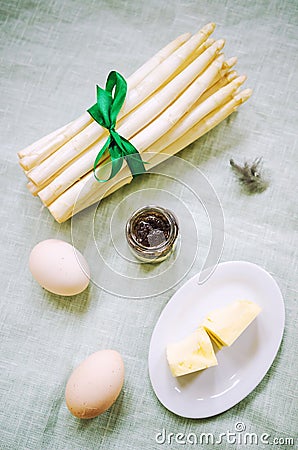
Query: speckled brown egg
point(95, 384)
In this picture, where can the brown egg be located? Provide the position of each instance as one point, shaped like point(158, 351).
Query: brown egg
point(95, 384)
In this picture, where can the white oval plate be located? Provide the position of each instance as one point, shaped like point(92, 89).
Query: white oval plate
point(240, 367)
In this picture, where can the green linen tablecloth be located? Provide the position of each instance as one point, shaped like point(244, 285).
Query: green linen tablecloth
point(52, 55)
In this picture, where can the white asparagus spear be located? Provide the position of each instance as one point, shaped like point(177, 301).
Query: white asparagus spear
point(150, 84)
point(203, 126)
point(163, 123)
point(193, 117)
point(135, 121)
point(94, 131)
point(198, 113)
point(229, 63)
point(226, 67)
point(166, 69)
point(194, 55)
point(156, 60)
point(159, 102)
point(28, 150)
point(146, 136)
point(225, 77)
point(209, 122)
point(170, 116)
point(223, 81)
point(42, 148)
point(198, 51)
point(34, 189)
point(40, 153)
point(62, 212)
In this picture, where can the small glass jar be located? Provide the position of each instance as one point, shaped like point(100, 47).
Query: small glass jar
point(152, 233)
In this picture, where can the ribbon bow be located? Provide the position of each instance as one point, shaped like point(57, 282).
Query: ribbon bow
point(105, 112)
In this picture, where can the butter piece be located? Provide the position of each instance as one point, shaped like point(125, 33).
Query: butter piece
point(193, 353)
point(218, 343)
point(224, 325)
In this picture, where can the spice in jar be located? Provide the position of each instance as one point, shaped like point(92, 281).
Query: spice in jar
point(152, 233)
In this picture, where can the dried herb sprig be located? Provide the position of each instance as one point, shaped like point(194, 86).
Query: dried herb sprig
point(250, 176)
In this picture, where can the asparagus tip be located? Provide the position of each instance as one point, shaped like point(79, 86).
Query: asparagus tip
point(230, 76)
point(209, 41)
point(185, 36)
point(23, 164)
point(240, 79)
point(232, 61)
point(220, 59)
point(243, 95)
point(208, 29)
point(220, 43)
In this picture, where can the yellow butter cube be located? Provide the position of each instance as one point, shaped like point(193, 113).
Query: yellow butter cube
point(224, 325)
point(193, 353)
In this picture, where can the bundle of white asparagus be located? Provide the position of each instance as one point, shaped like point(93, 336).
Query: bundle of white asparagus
point(181, 93)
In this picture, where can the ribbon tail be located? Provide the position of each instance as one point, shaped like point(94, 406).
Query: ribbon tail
point(132, 157)
point(98, 157)
point(116, 160)
point(135, 164)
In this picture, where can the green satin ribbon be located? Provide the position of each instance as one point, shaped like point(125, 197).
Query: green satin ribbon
point(105, 112)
